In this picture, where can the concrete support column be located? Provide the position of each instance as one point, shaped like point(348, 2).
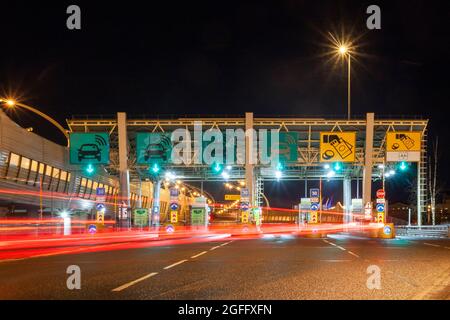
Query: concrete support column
point(347, 199)
point(124, 174)
point(249, 150)
point(368, 156)
point(156, 207)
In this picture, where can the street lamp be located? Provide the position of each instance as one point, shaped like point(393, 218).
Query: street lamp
point(343, 48)
point(344, 51)
point(10, 103)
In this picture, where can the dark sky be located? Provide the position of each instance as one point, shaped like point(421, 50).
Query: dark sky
point(226, 57)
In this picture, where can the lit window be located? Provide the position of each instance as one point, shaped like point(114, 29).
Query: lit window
point(56, 173)
point(25, 163)
point(63, 175)
point(34, 166)
point(41, 168)
point(14, 160)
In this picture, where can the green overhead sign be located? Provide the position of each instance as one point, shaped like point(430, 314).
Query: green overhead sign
point(153, 147)
point(89, 148)
point(287, 147)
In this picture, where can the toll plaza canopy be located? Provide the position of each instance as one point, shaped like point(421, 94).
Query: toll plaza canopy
point(311, 145)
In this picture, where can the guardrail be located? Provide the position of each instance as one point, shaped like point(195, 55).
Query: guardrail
point(423, 231)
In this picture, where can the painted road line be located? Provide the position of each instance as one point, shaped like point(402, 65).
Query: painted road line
point(335, 245)
point(224, 244)
point(175, 264)
point(11, 260)
point(330, 243)
point(129, 284)
point(353, 254)
point(432, 245)
point(198, 255)
point(214, 248)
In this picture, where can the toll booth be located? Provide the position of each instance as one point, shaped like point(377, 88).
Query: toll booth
point(199, 212)
point(304, 210)
point(257, 216)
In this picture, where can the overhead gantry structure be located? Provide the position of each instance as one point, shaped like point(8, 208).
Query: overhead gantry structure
point(370, 148)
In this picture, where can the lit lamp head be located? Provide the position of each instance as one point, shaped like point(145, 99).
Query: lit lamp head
point(9, 102)
point(343, 49)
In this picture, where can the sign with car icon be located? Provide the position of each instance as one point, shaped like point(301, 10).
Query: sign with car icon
point(153, 147)
point(287, 146)
point(89, 148)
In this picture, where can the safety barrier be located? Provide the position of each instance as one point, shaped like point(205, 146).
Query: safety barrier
point(423, 231)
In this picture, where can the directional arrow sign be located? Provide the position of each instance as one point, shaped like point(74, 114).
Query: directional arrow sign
point(174, 206)
point(380, 207)
point(245, 206)
point(314, 207)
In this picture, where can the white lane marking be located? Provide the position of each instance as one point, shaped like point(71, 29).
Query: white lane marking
point(198, 255)
point(175, 264)
point(10, 260)
point(329, 242)
point(431, 244)
point(129, 284)
point(214, 248)
point(335, 245)
point(353, 254)
point(447, 247)
point(224, 244)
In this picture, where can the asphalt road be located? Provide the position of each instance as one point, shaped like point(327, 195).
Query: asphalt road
point(276, 267)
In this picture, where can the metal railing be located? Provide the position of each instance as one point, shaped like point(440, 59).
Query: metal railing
point(423, 231)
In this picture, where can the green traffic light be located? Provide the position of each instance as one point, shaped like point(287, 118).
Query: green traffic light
point(155, 168)
point(217, 168)
point(90, 169)
point(337, 166)
point(403, 166)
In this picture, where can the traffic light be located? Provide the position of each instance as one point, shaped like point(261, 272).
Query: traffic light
point(403, 166)
point(89, 169)
point(154, 168)
point(337, 167)
point(279, 171)
point(217, 168)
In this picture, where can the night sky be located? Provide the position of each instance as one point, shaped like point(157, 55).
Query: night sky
point(226, 57)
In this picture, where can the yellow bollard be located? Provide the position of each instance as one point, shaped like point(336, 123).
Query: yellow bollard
point(387, 232)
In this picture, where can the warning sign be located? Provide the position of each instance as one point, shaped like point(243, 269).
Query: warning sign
point(337, 146)
point(173, 216)
point(403, 141)
point(100, 217)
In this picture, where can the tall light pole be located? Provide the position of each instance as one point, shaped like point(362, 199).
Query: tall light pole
point(12, 104)
point(345, 53)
